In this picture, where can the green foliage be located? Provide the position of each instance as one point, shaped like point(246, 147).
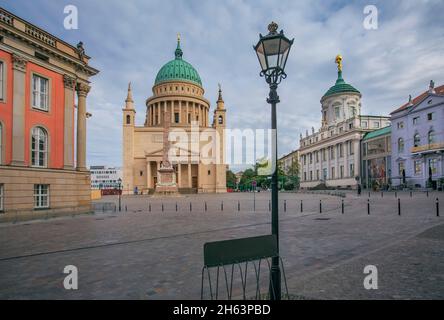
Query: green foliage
point(231, 179)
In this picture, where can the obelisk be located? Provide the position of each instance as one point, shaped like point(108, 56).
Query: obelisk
point(166, 177)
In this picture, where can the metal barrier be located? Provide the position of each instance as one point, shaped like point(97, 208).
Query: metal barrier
point(231, 254)
point(104, 207)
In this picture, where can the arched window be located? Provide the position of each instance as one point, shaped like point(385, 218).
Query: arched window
point(221, 120)
point(431, 137)
point(400, 145)
point(128, 119)
point(39, 147)
point(416, 140)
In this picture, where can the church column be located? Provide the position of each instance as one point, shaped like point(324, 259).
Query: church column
point(148, 174)
point(179, 175)
point(82, 92)
point(189, 175)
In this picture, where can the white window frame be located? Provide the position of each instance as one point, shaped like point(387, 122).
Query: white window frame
point(415, 167)
point(41, 191)
point(40, 94)
point(2, 197)
point(36, 153)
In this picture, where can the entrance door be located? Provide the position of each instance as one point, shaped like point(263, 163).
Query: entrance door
point(194, 182)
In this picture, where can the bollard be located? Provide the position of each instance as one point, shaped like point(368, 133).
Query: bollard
point(285, 205)
point(126, 208)
point(162, 207)
point(269, 205)
point(149, 207)
point(238, 205)
point(302, 207)
point(369, 194)
point(410, 193)
point(176, 206)
point(399, 207)
point(368, 206)
point(222, 206)
point(205, 206)
point(191, 208)
point(254, 206)
point(342, 206)
point(320, 206)
point(437, 207)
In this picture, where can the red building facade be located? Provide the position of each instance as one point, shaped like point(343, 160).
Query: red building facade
point(42, 171)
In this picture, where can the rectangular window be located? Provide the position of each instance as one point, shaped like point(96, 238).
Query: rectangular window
point(332, 153)
point(418, 167)
point(433, 165)
point(415, 120)
point(341, 171)
point(2, 76)
point(341, 150)
point(364, 124)
point(1, 197)
point(189, 117)
point(324, 174)
point(305, 176)
point(430, 116)
point(375, 125)
point(351, 148)
point(311, 158)
point(311, 175)
point(317, 174)
point(41, 196)
point(176, 117)
point(332, 172)
point(317, 156)
point(352, 170)
point(401, 168)
point(40, 92)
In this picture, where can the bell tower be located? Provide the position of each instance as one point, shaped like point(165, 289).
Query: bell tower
point(219, 123)
point(129, 114)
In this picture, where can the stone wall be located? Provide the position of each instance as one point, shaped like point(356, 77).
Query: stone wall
point(69, 192)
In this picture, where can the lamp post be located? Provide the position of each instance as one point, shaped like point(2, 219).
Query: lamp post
point(272, 51)
point(120, 194)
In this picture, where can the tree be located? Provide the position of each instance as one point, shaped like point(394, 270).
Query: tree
point(231, 179)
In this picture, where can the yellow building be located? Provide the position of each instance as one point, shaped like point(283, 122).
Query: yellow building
point(197, 146)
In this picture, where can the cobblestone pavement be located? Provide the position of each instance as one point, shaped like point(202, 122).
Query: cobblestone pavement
point(142, 254)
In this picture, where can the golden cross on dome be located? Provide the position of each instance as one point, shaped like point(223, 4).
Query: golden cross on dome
point(178, 37)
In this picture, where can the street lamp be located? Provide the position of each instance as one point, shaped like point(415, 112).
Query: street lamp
point(120, 194)
point(272, 51)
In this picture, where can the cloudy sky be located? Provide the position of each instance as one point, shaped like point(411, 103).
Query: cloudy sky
point(130, 41)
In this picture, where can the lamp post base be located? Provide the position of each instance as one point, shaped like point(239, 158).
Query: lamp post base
point(275, 282)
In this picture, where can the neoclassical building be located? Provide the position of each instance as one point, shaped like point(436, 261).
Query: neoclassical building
point(44, 83)
point(331, 155)
point(177, 96)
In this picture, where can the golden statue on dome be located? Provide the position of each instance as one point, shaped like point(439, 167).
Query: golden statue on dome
point(338, 60)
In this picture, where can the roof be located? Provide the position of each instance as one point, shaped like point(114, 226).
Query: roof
point(340, 87)
point(378, 133)
point(178, 70)
point(438, 90)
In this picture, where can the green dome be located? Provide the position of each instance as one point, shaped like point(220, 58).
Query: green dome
point(340, 87)
point(178, 70)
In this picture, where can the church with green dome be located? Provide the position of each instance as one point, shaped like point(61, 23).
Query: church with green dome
point(330, 156)
point(177, 104)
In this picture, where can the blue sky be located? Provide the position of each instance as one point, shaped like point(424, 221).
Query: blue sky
point(131, 40)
